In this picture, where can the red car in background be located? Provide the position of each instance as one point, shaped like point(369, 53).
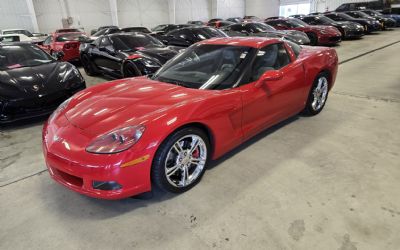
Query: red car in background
point(68, 43)
point(117, 139)
point(318, 34)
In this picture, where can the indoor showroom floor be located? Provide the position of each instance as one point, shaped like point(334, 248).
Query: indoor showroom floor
point(325, 182)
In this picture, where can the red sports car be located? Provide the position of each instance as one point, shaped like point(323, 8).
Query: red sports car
point(67, 42)
point(318, 34)
point(116, 139)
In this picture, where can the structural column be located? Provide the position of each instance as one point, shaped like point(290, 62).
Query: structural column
point(32, 15)
point(114, 12)
point(171, 11)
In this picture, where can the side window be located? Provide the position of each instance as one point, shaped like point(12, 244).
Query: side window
point(271, 57)
point(105, 42)
point(310, 20)
point(48, 40)
point(236, 28)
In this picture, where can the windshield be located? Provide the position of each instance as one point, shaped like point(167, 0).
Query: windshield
point(18, 56)
point(24, 32)
point(261, 27)
point(207, 33)
point(132, 42)
point(297, 23)
point(159, 28)
point(71, 37)
point(343, 17)
point(67, 30)
point(325, 19)
point(361, 14)
point(206, 66)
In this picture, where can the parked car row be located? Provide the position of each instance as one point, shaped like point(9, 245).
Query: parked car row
point(135, 51)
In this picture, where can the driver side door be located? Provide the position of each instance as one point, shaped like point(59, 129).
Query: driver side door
point(105, 57)
point(269, 102)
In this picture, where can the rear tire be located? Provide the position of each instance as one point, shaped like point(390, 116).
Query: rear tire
point(318, 95)
point(181, 160)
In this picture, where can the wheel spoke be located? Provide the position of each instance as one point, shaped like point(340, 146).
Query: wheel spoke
point(178, 147)
point(172, 170)
point(185, 176)
point(194, 145)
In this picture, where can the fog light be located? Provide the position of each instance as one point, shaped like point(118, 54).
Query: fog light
point(106, 185)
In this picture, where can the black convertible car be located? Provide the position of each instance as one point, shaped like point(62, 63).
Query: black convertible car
point(125, 55)
point(265, 30)
point(185, 37)
point(348, 29)
point(32, 83)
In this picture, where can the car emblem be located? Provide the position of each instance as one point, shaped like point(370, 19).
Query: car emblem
point(35, 87)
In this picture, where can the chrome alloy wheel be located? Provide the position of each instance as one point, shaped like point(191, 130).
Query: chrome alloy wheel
point(185, 160)
point(320, 93)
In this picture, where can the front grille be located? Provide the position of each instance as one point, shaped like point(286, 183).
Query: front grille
point(335, 38)
point(70, 179)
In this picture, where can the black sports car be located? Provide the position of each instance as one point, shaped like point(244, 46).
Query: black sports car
point(265, 30)
point(385, 22)
point(185, 37)
point(368, 24)
point(235, 19)
point(348, 29)
point(32, 83)
point(125, 55)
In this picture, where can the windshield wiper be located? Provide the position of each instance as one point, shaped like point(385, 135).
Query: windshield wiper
point(173, 82)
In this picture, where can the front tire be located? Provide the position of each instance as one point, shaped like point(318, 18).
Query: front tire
point(313, 39)
point(130, 70)
point(318, 95)
point(88, 66)
point(181, 160)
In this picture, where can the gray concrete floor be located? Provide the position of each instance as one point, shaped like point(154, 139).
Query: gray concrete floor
point(326, 182)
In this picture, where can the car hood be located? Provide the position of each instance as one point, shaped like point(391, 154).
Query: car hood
point(37, 81)
point(161, 54)
point(127, 102)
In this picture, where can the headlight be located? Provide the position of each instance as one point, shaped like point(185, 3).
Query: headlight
point(116, 141)
point(59, 109)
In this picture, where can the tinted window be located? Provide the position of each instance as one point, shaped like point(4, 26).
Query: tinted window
point(18, 56)
point(207, 33)
point(24, 32)
point(105, 42)
point(271, 57)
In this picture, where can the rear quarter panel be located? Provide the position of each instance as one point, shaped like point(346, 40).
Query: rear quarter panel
point(317, 60)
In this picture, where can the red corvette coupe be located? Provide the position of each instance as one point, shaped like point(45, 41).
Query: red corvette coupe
point(116, 139)
point(67, 42)
point(318, 34)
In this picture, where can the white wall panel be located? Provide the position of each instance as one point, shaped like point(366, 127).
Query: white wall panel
point(15, 14)
point(86, 14)
point(147, 13)
point(229, 8)
point(262, 8)
point(192, 10)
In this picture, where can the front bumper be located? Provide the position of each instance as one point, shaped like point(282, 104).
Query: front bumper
point(354, 33)
point(24, 109)
point(71, 166)
point(334, 39)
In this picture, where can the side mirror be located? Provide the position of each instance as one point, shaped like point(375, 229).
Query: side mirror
point(58, 55)
point(269, 76)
